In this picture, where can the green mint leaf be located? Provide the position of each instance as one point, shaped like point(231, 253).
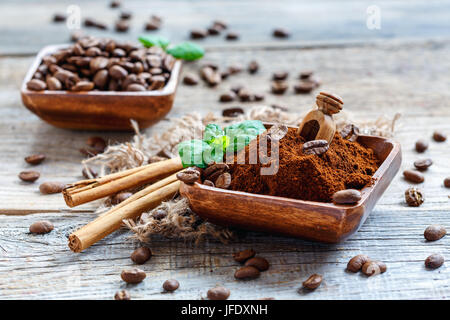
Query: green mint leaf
point(240, 134)
point(212, 131)
point(150, 41)
point(186, 51)
point(191, 153)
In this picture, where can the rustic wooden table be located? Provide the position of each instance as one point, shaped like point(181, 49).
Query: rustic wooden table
point(398, 68)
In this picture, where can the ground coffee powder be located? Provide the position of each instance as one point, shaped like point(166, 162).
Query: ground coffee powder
point(346, 165)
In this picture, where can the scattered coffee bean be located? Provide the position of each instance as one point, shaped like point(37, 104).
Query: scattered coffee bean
point(371, 268)
point(447, 182)
point(36, 85)
point(89, 22)
point(244, 255)
point(316, 147)
point(350, 132)
point(277, 131)
point(421, 146)
point(439, 136)
point(280, 33)
point(198, 34)
point(125, 15)
point(279, 87)
point(253, 67)
point(41, 227)
point(120, 197)
point(89, 173)
point(214, 31)
point(247, 273)
point(355, 264)
point(305, 74)
point(347, 196)
point(434, 261)
point(190, 80)
point(211, 76)
point(223, 181)
point(59, 17)
point(141, 255)
point(413, 176)
point(227, 97)
point(218, 293)
point(188, 176)
point(382, 266)
point(171, 285)
point(122, 295)
point(259, 263)
point(114, 4)
point(423, 164)
point(414, 197)
point(122, 25)
point(434, 232)
point(29, 176)
point(258, 97)
point(280, 75)
point(244, 95)
point(304, 87)
point(232, 36)
point(220, 24)
point(35, 158)
point(232, 112)
point(313, 282)
point(51, 187)
point(133, 275)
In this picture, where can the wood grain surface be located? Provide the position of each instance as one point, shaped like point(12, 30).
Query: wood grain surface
point(409, 77)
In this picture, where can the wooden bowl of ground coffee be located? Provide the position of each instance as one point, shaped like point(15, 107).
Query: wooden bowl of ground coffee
point(319, 220)
point(97, 109)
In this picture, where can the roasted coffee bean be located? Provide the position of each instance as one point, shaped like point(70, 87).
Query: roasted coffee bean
point(122, 295)
point(119, 53)
point(347, 196)
point(305, 74)
point(382, 266)
point(159, 214)
point(234, 69)
point(237, 88)
point(421, 146)
point(227, 97)
point(53, 83)
point(258, 97)
point(439, 136)
point(247, 273)
point(190, 80)
point(434, 232)
point(223, 181)
point(35, 158)
point(350, 132)
point(122, 26)
point(83, 86)
point(98, 63)
point(29, 176)
point(115, 4)
point(232, 112)
point(277, 131)
point(125, 15)
point(101, 79)
point(91, 52)
point(329, 103)
point(133, 275)
point(76, 35)
point(434, 261)
point(188, 176)
point(232, 36)
point(253, 67)
point(220, 24)
point(244, 95)
point(280, 33)
point(198, 34)
point(41, 227)
point(171, 285)
point(447, 182)
point(414, 197)
point(280, 75)
point(157, 82)
point(355, 264)
point(120, 197)
point(423, 164)
point(313, 282)
point(218, 293)
point(413, 176)
point(259, 263)
point(135, 87)
point(141, 255)
point(117, 72)
point(89, 173)
point(243, 255)
point(304, 87)
point(51, 187)
point(208, 183)
point(215, 167)
point(36, 85)
point(316, 147)
point(211, 76)
point(279, 87)
point(371, 268)
point(152, 25)
point(214, 31)
point(59, 17)
point(98, 143)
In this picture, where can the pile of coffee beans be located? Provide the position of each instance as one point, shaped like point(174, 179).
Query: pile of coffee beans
point(253, 266)
point(366, 265)
point(105, 65)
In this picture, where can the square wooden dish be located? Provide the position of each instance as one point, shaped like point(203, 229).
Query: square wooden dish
point(98, 110)
point(324, 222)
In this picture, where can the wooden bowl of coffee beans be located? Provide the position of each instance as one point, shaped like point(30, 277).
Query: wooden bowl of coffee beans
point(101, 84)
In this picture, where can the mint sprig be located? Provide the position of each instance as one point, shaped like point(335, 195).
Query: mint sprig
point(187, 50)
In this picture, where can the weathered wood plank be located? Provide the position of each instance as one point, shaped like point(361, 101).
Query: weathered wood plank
point(308, 21)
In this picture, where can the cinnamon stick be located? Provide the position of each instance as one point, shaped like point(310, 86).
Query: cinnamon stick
point(93, 189)
point(112, 220)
